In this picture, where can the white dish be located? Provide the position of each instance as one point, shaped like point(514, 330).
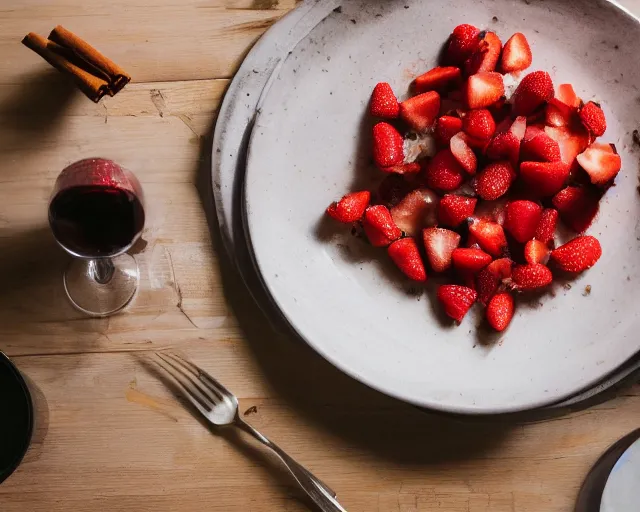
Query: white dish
point(621, 492)
point(354, 311)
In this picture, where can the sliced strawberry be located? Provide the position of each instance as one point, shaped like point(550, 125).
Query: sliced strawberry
point(444, 172)
point(411, 168)
point(439, 244)
point(544, 178)
point(522, 219)
point(501, 268)
point(577, 255)
point(453, 209)
point(462, 43)
point(540, 148)
point(494, 180)
point(486, 55)
point(490, 236)
point(384, 102)
point(531, 276)
point(534, 90)
point(470, 261)
point(577, 207)
point(387, 145)
point(536, 252)
point(421, 111)
point(519, 127)
point(558, 115)
point(600, 162)
point(567, 96)
point(571, 141)
point(504, 146)
point(516, 54)
point(436, 79)
point(592, 118)
point(447, 127)
point(531, 132)
point(479, 124)
point(546, 230)
point(405, 255)
point(500, 311)
point(417, 210)
point(463, 153)
point(392, 189)
point(487, 284)
point(457, 300)
point(379, 226)
point(484, 89)
point(351, 207)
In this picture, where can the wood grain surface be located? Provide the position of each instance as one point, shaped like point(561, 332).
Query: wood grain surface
point(109, 435)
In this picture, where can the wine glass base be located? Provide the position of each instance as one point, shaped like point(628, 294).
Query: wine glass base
point(104, 297)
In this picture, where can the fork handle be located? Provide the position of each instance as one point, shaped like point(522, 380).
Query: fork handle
point(321, 495)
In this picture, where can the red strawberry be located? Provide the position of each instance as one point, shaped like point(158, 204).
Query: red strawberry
point(392, 189)
point(453, 210)
point(519, 127)
point(405, 255)
point(447, 127)
point(501, 268)
point(535, 89)
point(417, 210)
point(411, 168)
point(540, 148)
point(531, 276)
point(577, 207)
point(479, 124)
point(516, 54)
point(439, 243)
point(487, 284)
point(567, 96)
point(436, 79)
point(522, 219)
point(601, 163)
point(484, 89)
point(443, 172)
point(463, 153)
point(571, 141)
point(536, 252)
point(494, 180)
point(470, 261)
point(379, 226)
point(421, 111)
point(531, 132)
point(577, 255)
point(504, 146)
point(544, 178)
point(485, 57)
point(387, 145)
point(351, 207)
point(592, 118)
point(558, 115)
point(546, 230)
point(457, 300)
point(489, 235)
point(500, 311)
point(462, 42)
point(383, 102)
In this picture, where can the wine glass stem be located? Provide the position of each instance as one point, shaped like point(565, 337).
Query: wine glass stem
point(102, 270)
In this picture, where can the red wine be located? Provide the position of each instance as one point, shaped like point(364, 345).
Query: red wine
point(96, 220)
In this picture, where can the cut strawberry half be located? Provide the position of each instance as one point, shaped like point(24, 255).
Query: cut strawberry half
point(577, 207)
point(444, 172)
point(470, 261)
point(384, 102)
point(388, 145)
point(489, 235)
point(572, 141)
point(500, 311)
point(463, 153)
point(593, 119)
point(379, 226)
point(558, 116)
point(462, 43)
point(540, 148)
point(437, 79)
point(504, 146)
point(411, 168)
point(416, 211)
point(479, 124)
point(519, 127)
point(406, 256)
point(494, 180)
point(546, 230)
point(522, 219)
point(544, 179)
point(484, 89)
point(516, 54)
point(439, 244)
point(453, 210)
point(486, 55)
point(577, 255)
point(447, 127)
point(531, 277)
point(351, 207)
point(600, 162)
point(536, 251)
point(421, 111)
point(566, 96)
point(533, 91)
point(457, 300)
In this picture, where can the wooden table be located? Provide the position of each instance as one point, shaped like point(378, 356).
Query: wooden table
point(109, 436)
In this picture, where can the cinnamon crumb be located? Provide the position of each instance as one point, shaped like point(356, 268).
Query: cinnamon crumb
point(587, 290)
point(251, 410)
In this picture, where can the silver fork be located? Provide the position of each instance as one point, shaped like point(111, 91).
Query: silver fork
point(220, 407)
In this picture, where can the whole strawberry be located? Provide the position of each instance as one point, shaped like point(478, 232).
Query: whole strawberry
point(577, 255)
point(388, 145)
point(592, 118)
point(462, 42)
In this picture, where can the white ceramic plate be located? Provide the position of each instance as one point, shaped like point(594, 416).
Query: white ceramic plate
point(621, 492)
point(306, 150)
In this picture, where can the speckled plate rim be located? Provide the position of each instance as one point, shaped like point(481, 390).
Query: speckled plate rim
point(232, 132)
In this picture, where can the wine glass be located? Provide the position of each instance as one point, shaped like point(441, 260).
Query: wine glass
point(96, 214)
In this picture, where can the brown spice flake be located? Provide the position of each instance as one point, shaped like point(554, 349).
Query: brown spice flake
point(251, 410)
point(587, 291)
